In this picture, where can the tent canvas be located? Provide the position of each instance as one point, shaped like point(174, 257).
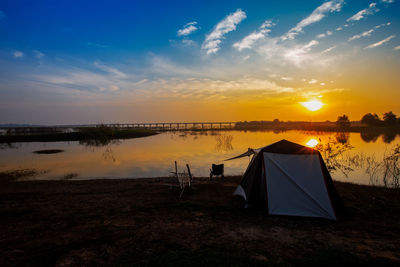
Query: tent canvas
point(290, 179)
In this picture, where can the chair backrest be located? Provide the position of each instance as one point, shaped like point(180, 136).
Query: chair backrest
point(218, 169)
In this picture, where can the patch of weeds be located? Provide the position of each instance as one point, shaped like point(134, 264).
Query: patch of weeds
point(69, 176)
point(48, 151)
point(14, 175)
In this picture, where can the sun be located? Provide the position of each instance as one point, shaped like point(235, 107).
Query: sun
point(312, 105)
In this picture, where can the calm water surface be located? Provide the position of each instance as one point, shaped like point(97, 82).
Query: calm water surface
point(154, 156)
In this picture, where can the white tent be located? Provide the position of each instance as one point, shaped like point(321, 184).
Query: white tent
point(290, 179)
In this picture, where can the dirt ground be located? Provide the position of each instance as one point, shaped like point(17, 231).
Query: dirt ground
point(143, 222)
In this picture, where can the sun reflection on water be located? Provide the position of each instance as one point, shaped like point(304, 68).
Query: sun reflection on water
point(312, 142)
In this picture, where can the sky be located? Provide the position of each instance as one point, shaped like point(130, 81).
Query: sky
point(73, 62)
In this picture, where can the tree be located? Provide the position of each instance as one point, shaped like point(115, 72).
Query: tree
point(343, 121)
point(389, 118)
point(371, 120)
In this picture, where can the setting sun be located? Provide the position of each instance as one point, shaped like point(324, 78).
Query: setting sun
point(312, 105)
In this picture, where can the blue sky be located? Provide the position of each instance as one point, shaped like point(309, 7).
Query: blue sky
point(126, 61)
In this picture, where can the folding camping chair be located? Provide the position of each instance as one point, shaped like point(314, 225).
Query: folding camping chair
point(216, 170)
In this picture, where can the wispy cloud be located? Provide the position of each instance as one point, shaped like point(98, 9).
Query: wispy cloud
point(38, 54)
point(367, 33)
point(387, 1)
point(371, 9)
point(318, 14)
point(188, 28)
point(213, 40)
point(204, 88)
point(323, 35)
point(299, 52)
point(397, 48)
point(18, 54)
point(2, 15)
point(328, 50)
point(312, 81)
point(110, 70)
point(249, 40)
point(381, 42)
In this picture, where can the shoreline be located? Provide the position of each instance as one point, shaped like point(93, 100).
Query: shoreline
point(142, 221)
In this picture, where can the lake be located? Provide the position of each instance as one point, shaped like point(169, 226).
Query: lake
point(358, 159)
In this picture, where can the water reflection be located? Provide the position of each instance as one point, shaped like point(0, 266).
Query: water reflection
point(369, 136)
point(372, 136)
point(347, 155)
point(224, 143)
point(342, 137)
point(380, 172)
point(312, 142)
point(10, 145)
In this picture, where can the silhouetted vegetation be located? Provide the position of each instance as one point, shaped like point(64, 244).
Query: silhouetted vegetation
point(384, 172)
point(343, 121)
point(371, 120)
point(389, 119)
point(14, 175)
point(88, 135)
point(48, 151)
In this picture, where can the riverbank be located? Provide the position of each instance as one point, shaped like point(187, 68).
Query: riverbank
point(99, 135)
point(142, 222)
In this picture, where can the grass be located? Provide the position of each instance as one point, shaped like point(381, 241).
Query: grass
point(14, 175)
point(69, 176)
point(141, 222)
point(217, 256)
point(179, 256)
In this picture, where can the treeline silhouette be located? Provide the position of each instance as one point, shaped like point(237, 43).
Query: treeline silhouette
point(389, 119)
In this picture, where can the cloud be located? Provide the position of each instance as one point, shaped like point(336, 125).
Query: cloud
point(205, 88)
point(213, 40)
point(249, 40)
point(328, 49)
point(371, 9)
point(110, 70)
point(298, 53)
point(111, 88)
point(38, 54)
point(286, 78)
point(387, 1)
point(318, 14)
point(322, 35)
point(2, 15)
point(96, 45)
point(18, 54)
point(188, 42)
point(312, 81)
point(381, 42)
point(367, 33)
point(83, 80)
point(285, 54)
point(397, 48)
point(339, 28)
point(188, 28)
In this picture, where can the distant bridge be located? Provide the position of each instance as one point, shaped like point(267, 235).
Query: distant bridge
point(159, 126)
